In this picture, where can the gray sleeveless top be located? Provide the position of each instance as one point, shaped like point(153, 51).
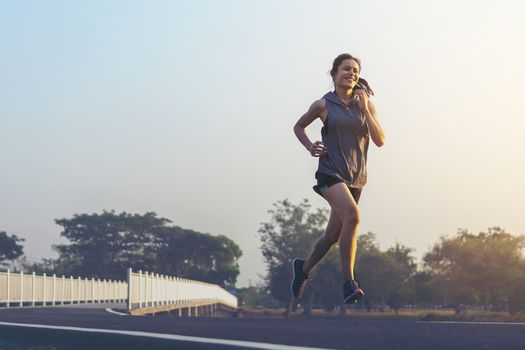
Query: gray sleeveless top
point(346, 138)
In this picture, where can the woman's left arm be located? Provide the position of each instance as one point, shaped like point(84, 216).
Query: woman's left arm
point(376, 131)
point(368, 108)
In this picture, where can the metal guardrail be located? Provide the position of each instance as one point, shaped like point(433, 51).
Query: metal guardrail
point(151, 289)
point(143, 290)
point(19, 289)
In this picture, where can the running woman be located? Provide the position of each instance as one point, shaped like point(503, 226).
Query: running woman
point(349, 121)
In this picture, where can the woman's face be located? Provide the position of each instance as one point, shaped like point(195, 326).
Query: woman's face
point(347, 74)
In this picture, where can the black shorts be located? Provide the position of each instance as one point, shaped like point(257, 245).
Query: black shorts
point(324, 181)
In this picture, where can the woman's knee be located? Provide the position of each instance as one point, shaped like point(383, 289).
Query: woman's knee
point(351, 216)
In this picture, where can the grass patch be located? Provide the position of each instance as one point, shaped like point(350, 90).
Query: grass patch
point(403, 314)
point(476, 316)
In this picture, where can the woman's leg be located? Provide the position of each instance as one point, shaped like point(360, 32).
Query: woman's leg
point(325, 242)
point(345, 207)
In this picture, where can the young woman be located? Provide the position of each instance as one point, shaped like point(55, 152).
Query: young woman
point(350, 120)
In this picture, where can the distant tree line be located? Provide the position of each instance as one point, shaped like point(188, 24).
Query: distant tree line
point(105, 245)
point(484, 270)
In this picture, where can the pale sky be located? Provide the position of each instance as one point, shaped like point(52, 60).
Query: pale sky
point(186, 108)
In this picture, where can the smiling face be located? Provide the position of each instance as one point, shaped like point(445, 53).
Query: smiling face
point(347, 74)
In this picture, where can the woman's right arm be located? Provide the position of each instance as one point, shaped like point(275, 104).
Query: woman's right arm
point(317, 109)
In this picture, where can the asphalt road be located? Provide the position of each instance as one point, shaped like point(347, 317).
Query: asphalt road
point(328, 333)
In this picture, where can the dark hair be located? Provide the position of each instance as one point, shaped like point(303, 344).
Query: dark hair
point(361, 83)
point(339, 59)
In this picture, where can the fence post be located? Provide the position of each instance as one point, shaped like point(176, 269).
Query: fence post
point(8, 287)
point(86, 290)
point(176, 289)
point(152, 289)
point(155, 289)
point(71, 290)
point(166, 290)
point(54, 289)
point(45, 289)
point(163, 288)
point(21, 303)
point(119, 289)
point(146, 277)
point(130, 271)
point(140, 288)
point(159, 289)
point(78, 290)
point(63, 289)
point(169, 284)
point(33, 290)
point(92, 290)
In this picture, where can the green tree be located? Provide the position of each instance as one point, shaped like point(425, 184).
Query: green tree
point(10, 249)
point(290, 233)
point(105, 245)
point(384, 275)
point(423, 292)
point(401, 283)
point(198, 256)
point(516, 295)
point(467, 267)
point(327, 281)
point(373, 270)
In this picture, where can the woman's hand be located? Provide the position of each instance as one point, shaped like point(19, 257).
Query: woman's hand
point(317, 149)
point(361, 97)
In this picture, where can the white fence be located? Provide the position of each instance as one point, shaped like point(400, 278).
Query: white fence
point(20, 288)
point(150, 290)
point(142, 290)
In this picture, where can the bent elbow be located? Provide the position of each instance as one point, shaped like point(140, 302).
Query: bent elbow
point(297, 127)
point(380, 142)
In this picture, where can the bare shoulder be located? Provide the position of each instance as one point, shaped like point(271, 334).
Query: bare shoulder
point(318, 106)
point(317, 110)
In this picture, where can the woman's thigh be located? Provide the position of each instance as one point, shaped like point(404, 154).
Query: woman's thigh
point(342, 202)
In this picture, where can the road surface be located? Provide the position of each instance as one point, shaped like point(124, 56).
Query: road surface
point(247, 333)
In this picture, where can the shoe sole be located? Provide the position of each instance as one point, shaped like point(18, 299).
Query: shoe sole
point(354, 296)
point(291, 285)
